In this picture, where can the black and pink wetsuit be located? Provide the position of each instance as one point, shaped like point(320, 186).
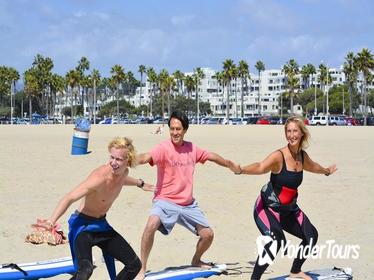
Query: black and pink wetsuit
point(276, 210)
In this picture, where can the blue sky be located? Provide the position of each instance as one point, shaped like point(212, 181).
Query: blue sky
point(182, 34)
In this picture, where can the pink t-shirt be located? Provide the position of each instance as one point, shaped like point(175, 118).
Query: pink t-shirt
point(175, 168)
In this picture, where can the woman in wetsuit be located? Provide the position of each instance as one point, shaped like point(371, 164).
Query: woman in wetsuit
point(276, 209)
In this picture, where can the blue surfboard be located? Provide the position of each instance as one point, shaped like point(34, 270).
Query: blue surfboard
point(37, 270)
point(186, 272)
point(324, 274)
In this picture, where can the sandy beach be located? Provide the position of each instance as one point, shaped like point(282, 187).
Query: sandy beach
point(37, 170)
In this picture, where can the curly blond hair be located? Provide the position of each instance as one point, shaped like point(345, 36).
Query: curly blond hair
point(124, 143)
point(304, 142)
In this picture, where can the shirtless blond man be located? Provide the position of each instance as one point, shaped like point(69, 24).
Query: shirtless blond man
point(88, 226)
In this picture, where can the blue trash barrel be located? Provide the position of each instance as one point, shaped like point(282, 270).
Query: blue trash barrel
point(80, 142)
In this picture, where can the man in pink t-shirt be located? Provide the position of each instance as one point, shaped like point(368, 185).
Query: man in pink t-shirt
point(173, 201)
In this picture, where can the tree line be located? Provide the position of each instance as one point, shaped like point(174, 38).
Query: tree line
point(42, 88)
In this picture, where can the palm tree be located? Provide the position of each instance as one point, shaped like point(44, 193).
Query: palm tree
point(260, 66)
point(43, 67)
point(307, 72)
point(142, 69)
point(243, 74)
point(190, 85)
point(72, 81)
point(198, 75)
point(32, 87)
point(83, 65)
point(118, 77)
point(351, 71)
point(365, 63)
point(95, 77)
point(229, 71)
point(152, 79)
point(325, 80)
point(131, 83)
point(312, 71)
point(169, 85)
point(234, 77)
point(291, 69)
point(104, 83)
point(8, 78)
point(179, 76)
point(220, 82)
point(57, 85)
point(13, 77)
point(164, 88)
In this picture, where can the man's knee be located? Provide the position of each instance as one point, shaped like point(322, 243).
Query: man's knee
point(130, 270)
point(85, 269)
point(153, 224)
point(206, 233)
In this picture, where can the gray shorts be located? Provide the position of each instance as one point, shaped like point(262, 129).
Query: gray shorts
point(170, 213)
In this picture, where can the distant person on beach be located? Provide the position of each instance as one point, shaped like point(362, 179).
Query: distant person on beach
point(173, 201)
point(276, 208)
point(159, 129)
point(88, 226)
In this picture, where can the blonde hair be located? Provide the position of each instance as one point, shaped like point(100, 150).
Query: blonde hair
point(304, 142)
point(124, 143)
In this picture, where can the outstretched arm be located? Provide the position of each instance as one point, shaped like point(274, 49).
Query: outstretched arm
point(314, 167)
point(144, 158)
point(270, 163)
point(217, 159)
point(77, 193)
point(130, 181)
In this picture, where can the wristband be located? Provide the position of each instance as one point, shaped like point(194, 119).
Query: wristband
point(141, 184)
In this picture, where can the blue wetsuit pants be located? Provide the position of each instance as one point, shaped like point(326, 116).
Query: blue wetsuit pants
point(111, 243)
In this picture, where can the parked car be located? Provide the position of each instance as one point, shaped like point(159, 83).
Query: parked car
point(21, 121)
point(4, 120)
point(263, 121)
point(212, 120)
point(351, 121)
point(236, 121)
point(142, 120)
point(204, 120)
point(274, 120)
point(225, 121)
point(252, 120)
point(318, 120)
point(337, 120)
point(369, 121)
point(160, 121)
point(106, 121)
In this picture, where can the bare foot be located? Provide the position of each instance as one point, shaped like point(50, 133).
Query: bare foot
point(140, 276)
point(203, 264)
point(300, 275)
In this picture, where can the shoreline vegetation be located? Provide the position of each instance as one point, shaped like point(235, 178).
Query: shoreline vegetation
point(80, 89)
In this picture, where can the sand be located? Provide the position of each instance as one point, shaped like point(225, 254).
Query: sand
point(37, 170)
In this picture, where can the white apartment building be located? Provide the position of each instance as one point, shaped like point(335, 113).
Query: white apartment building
point(268, 87)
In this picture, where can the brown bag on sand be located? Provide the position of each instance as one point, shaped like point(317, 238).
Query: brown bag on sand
point(43, 233)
